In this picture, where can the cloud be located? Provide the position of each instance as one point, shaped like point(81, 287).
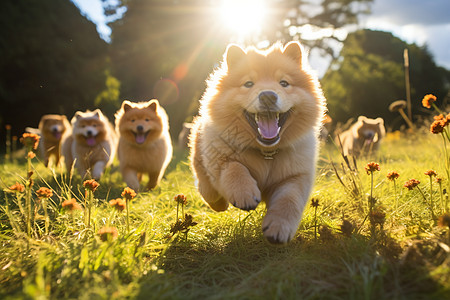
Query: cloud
point(404, 12)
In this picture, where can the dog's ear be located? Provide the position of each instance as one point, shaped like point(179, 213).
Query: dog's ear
point(97, 113)
point(126, 105)
point(380, 121)
point(78, 115)
point(153, 104)
point(294, 51)
point(233, 55)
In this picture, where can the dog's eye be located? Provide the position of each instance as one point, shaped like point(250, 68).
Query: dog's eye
point(146, 120)
point(132, 120)
point(249, 84)
point(95, 125)
point(284, 83)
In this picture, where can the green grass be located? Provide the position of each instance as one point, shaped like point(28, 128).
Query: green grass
point(225, 255)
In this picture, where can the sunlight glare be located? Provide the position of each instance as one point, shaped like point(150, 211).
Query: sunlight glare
point(243, 16)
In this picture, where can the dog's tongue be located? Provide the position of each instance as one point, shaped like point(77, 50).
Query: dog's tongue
point(140, 138)
point(90, 140)
point(57, 135)
point(268, 126)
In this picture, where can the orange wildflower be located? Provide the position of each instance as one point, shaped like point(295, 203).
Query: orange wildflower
point(372, 167)
point(71, 204)
point(428, 100)
point(430, 173)
point(108, 233)
point(180, 198)
point(412, 183)
point(392, 175)
point(437, 126)
point(118, 204)
point(128, 193)
point(31, 155)
point(30, 140)
point(8, 127)
point(91, 184)
point(17, 187)
point(44, 192)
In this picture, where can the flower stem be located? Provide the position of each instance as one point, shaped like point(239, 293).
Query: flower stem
point(128, 215)
point(28, 197)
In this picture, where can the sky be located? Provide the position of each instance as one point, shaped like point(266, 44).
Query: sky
point(414, 21)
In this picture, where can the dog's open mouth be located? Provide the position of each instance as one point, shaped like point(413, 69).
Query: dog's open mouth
point(140, 136)
point(90, 140)
point(267, 125)
point(57, 134)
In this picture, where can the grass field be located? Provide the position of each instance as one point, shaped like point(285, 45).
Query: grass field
point(399, 251)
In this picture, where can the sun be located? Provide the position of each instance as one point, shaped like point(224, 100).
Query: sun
point(243, 17)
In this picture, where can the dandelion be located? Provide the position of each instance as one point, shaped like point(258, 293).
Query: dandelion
point(118, 204)
point(128, 194)
point(428, 100)
point(44, 194)
point(108, 233)
point(17, 188)
point(392, 176)
point(71, 205)
point(30, 140)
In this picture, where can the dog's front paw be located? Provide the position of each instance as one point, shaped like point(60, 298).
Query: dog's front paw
point(278, 230)
point(246, 198)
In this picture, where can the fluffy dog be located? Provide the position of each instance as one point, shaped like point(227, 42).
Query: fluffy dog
point(256, 137)
point(363, 137)
point(52, 128)
point(145, 146)
point(91, 145)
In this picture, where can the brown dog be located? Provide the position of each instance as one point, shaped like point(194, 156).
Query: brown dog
point(257, 135)
point(52, 129)
point(145, 146)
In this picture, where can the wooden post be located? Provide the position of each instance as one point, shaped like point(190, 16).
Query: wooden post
point(408, 91)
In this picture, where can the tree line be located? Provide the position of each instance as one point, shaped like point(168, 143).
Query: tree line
point(52, 59)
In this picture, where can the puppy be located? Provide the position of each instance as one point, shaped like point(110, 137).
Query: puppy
point(52, 128)
point(363, 137)
point(145, 146)
point(91, 144)
point(256, 138)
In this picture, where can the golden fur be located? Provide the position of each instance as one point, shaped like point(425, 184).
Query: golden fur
point(52, 129)
point(237, 163)
point(145, 146)
point(363, 137)
point(91, 144)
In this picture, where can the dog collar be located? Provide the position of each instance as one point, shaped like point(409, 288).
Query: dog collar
point(268, 154)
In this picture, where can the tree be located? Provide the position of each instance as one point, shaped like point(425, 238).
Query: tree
point(369, 75)
point(52, 61)
point(166, 49)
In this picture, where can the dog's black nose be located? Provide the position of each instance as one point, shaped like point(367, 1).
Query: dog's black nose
point(89, 132)
point(268, 98)
point(140, 128)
